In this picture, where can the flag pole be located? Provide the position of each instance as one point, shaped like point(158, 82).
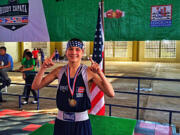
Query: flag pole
point(102, 15)
point(102, 12)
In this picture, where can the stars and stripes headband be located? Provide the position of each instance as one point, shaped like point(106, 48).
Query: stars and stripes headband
point(74, 44)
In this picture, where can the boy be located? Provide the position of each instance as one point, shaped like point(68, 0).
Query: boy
point(72, 118)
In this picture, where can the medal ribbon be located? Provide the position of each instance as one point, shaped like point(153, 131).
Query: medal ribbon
point(74, 81)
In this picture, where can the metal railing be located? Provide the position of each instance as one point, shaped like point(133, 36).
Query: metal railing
point(138, 93)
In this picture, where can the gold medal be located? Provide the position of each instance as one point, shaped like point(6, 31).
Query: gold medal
point(72, 102)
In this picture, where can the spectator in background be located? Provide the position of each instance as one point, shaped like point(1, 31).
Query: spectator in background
point(24, 53)
point(24, 58)
point(35, 56)
point(28, 75)
point(56, 55)
point(22, 63)
point(6, 64)
point(42, 55)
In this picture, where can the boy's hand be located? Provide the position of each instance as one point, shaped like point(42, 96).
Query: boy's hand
point(48, 62)
point(95, 67)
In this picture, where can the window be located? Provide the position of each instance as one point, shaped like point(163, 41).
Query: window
point(39, 44)
point(108, 45)
point(1, 43)
point(42, 45)
point(64, 44)
point(116, 49)
point(168, 49)
point(152, 49)
point(121, 49)
point(160, 49)
point(85, 45)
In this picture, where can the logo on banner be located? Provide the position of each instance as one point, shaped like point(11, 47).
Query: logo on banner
point(114, 14)
point(161, 16)
point(14, 15)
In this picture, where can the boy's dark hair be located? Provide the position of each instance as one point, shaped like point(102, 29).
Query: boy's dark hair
point(29, 54)
point(3, 48)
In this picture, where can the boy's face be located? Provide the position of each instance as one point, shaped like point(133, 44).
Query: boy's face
point(2, 52)
point(74, 54)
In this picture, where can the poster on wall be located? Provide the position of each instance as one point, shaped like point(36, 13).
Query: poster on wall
point(161, 16)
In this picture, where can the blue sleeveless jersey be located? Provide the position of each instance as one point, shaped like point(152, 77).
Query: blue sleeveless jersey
point(81, 92)
point(82, 97)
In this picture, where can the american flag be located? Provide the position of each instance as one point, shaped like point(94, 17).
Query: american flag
point(81, 90)
point(97, 96)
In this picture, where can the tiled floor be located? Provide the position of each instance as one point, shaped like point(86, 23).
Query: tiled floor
point(22, 123)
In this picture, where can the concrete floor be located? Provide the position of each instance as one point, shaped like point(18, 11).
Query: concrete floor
point(148, 69)
point(142, 69)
